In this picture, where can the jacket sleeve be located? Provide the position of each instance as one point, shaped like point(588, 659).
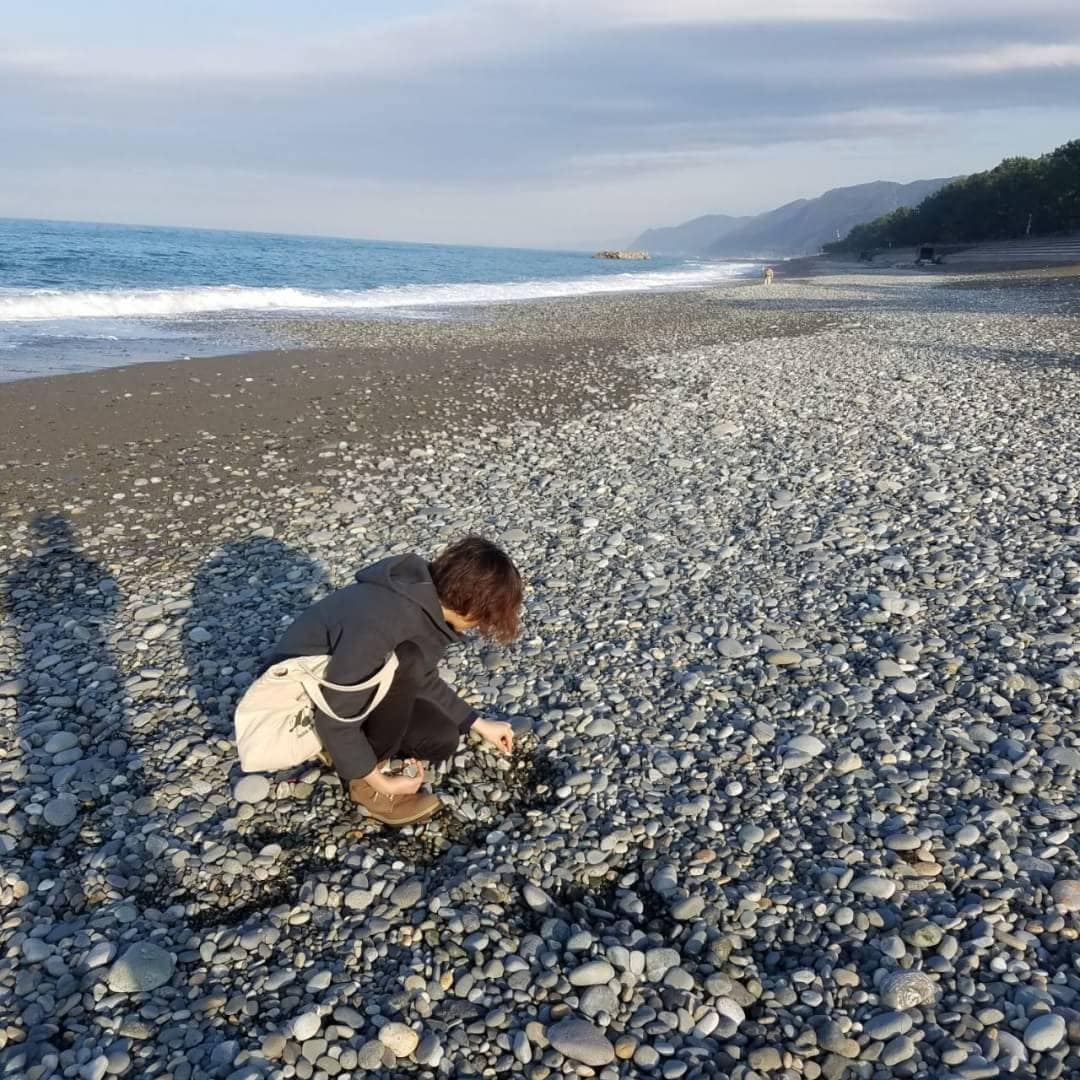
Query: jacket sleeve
point(435, 690)
point(347, 746)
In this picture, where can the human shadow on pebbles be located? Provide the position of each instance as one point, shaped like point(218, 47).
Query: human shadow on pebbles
point(244, 596)
point(73, 834)
point(77, 767)
point(69, 707)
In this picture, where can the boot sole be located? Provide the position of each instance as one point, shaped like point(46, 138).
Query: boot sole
point(398, 823)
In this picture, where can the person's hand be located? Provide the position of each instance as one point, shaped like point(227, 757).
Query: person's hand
point(397, 785)
point(496, 732)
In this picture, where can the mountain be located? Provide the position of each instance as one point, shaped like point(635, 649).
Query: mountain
point(797, 228)
point(690, 238)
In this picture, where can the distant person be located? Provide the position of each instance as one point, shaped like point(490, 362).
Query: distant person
point(767, 275)
point(414, 609)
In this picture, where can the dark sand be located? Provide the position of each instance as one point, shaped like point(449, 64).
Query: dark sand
point(188, 438)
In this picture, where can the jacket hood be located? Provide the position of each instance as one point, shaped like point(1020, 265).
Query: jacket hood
point(409, 576)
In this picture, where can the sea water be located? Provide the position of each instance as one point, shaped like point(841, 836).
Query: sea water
point(77, 296)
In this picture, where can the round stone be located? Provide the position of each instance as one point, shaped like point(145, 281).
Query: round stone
point(881, 888)
point(658, 962)
point(598, 999)
point(399, 1039)
point(922, 933)
point(253, 788)
point(689, 908)
point(731, 648)
point(1069, 678)
point(61, 741)
point(61, 811)
point(100, 954)
point(408, 893)
point(582, 1042)
point(429, 1052)
point(897, 1050)
point(1066, 894)
point(536, 898)
point(35, 950)
point(750, 836)
point(306, 1025)
point(119, 1062)
point(593, 973)
point(1045, 1032)
point(358, 899)
point(600, 726)
point(370, 1056)
point(783, 658)
point(730, 1008)
point(907, 990)
point(765, 1059)
point(273, 1046)
point(847, 761)
point(887, 1025)
point(143, 967)
point(810, 745)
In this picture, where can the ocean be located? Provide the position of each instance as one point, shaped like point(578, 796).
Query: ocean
point(79, 296)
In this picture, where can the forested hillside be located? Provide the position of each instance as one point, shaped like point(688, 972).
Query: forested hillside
point(1021, 196)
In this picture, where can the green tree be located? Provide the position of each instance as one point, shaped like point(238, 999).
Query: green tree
point(1021, 195)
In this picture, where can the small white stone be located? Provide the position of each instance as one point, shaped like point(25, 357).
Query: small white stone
point(251, 789)
point(306, 1025)
point(399, 1039)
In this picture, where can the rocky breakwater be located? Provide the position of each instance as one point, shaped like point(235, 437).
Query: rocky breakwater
point(632, 255)
point(799, 703)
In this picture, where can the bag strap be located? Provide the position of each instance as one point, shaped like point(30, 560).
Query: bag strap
point(313, 686)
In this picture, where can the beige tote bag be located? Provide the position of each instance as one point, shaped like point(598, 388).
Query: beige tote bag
point(275, 717)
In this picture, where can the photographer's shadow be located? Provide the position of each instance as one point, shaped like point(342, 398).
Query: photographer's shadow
point(71, 716)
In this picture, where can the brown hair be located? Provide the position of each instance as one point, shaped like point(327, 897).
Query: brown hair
point(477, 579)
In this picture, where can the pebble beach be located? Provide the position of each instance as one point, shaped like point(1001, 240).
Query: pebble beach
point(798, 698)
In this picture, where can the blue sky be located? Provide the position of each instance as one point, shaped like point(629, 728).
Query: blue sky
point(567, 123)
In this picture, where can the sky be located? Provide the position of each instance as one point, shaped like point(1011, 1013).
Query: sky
point(546, 123)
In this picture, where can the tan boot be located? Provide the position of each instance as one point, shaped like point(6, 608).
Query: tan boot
point(393, 810)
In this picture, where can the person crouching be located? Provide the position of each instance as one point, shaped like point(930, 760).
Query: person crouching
point(417, 610)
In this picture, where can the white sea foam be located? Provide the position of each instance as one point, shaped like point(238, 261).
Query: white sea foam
point(24, 305)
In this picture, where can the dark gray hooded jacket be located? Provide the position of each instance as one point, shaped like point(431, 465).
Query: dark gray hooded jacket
point(393, 602)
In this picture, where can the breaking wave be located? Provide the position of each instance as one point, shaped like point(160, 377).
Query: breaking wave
point(19, 305)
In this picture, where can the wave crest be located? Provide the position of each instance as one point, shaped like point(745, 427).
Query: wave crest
point(26, 305)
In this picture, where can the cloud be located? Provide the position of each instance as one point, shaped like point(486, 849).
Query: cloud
point(516, 99)
point(1018, 57)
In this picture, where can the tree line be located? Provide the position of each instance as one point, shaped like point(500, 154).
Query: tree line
point(1021, 196)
